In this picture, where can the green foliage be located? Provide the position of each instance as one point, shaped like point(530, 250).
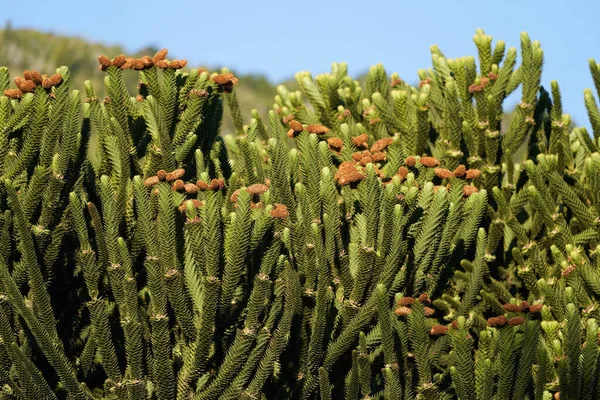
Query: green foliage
point(375, 241)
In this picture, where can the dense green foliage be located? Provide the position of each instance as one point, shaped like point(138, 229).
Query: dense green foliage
point(361, 241)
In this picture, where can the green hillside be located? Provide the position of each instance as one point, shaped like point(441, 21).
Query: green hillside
point(44, 52)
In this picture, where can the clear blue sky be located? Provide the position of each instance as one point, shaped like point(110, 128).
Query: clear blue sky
point(279, 38)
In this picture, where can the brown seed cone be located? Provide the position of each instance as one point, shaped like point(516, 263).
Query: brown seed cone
point(460, 171)
point(475, 88)
point(403, 172)
point(296, 126)
point(119, 60)
point(428, 311)
point(356, 156)
point(472, 174)
point(36, 77)
point(291, 133)
point(438, 330)
point(429, 162)
point(365, 160)
point(216, 184)
point(524, 306)
point(27, 75)
point(202, 186)
point(510, 307)
point(317, 129)
point(381, 144)
point(443, 173)
point(137, 65)
point(351, 177)
point(139, 98)
point(335, 143)
point(406, 301)
point(345, 167)
point(379, 156)
point(515, 321)
point(162, 174)
point(162, 64)
point(492, 322)
point(190, 188)
point(182, 63)
point(160, 55)
point(26, 86)
point(400, 311)
point(257, 188)
point(197, 203)
point(128, 63)
point(234, 195)
point(13, 93)
point(178, 185)
point(469, 190)
point(153, 180)
point(148, 62)
point(174, 64)
point(411, 161)
point(535, 308)
point(501, 320)
point(225, 79)
point(424, 298)
point(104, 61)
point(280, 211)
point(360, 141)
point(56, 79)
point(454, 324)
point(175, 174)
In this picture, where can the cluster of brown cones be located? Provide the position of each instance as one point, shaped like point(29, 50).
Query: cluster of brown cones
point(361, 143)
point(404, 304)
point(296, 128)
point(411, 162)
point(404, 309)
point(460, 172)
point(279, 211)
point(174, 178)
point(30, 80)
point(522, 307)
point(349, 174)
point(123, 62)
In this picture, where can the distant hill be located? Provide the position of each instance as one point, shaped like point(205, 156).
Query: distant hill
point(31, 49)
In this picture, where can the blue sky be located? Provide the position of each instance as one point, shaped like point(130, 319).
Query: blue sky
point(279, 38)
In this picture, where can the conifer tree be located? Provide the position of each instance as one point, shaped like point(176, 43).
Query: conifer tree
point(385, 241)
